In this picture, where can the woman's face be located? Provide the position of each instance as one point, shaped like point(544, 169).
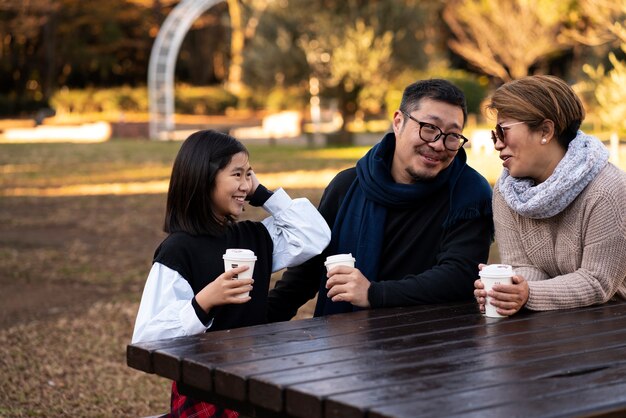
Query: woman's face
point(232, 185)
point(521, 151)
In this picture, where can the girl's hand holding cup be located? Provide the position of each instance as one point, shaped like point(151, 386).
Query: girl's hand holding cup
point(225, 290)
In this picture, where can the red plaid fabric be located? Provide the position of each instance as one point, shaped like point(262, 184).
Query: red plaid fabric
point(185, 407)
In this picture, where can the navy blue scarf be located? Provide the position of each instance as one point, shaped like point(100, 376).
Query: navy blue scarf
point(360, 222)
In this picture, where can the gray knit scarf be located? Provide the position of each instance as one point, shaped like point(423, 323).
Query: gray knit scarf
point(584, 159)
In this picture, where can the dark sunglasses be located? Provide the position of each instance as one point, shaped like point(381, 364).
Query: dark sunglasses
point(499, 132)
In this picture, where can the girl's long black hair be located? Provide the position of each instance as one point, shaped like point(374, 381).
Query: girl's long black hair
point(189, 207)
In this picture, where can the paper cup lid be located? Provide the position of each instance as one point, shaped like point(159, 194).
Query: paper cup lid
point(239, 254)
point(339, 258)
point(496, 270)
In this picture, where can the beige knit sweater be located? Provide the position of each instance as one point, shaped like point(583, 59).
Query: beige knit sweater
point(575, 258)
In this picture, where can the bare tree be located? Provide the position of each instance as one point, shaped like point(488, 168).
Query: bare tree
point(27, 47)
point(506, 38)
point(602, 22)
point(241, 31)
point(598, 22)
point(236, 46)
point(355, 61)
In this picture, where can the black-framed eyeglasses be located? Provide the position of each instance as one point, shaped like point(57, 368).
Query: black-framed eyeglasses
point(431, 133)
point(499, 132)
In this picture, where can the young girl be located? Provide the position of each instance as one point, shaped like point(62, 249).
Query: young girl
point(187, 291)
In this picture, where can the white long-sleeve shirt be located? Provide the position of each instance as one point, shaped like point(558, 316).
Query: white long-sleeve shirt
point(298, 232)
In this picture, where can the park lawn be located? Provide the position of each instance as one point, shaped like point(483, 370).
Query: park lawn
point(117, 161)
point(62, 164)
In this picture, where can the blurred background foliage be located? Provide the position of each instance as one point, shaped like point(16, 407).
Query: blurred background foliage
point(82, 254)
point(76, 56)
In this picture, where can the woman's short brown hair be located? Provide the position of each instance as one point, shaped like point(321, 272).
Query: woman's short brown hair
point(534, 99)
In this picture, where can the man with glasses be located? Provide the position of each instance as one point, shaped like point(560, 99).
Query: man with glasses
point(414, 215)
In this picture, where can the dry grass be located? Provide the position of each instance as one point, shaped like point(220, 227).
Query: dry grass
point(75, 366)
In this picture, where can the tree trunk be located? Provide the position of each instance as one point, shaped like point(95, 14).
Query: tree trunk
point(236, 47)
point(50, 65)
point(347, 108)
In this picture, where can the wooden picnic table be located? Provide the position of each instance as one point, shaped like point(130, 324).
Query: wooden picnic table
point(425, 361)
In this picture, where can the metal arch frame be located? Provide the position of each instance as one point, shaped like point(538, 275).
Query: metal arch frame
point(163, 63)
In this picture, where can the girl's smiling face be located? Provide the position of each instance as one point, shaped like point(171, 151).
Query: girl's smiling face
point(232, 185)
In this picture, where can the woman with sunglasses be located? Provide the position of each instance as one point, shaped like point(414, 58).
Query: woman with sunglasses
point(558, 205)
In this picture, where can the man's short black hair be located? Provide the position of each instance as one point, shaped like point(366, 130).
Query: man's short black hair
point(434, 89)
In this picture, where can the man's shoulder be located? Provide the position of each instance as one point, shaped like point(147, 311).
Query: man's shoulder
point(334, 194)
point(342, 181)
point(476, 181)
point(474, 175)
point(344, 177)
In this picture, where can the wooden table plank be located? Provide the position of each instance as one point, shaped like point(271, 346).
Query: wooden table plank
point(200, 365)
point(167, 357)
point(479, 400)
point(433, 379)
point(169, 352)
point(592, 401)
point(302, 399)
point(139, 355)
point(267, 389)
point(448, 394)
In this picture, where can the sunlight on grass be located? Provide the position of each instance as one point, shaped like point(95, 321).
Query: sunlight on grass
point(133, 167)
point(129, 167)
point(309, 179)
point(148, 187)
point(19, 168)
point(302, 179)
point(353, 153)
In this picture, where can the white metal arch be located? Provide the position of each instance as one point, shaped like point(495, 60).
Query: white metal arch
point(163, 62)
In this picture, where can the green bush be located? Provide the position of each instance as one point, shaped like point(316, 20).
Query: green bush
point(475, 88)
point(203, 100)
point(285, 99)
point(275, 99)
point(66, 101)
point(12, 106)
point(188, 100)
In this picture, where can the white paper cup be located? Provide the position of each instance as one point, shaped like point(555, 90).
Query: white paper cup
point(237, 257)
point(339, 260)
point(495, 274)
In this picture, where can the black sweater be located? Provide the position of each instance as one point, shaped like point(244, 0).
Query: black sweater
point(199, 260)
point(421, 262)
